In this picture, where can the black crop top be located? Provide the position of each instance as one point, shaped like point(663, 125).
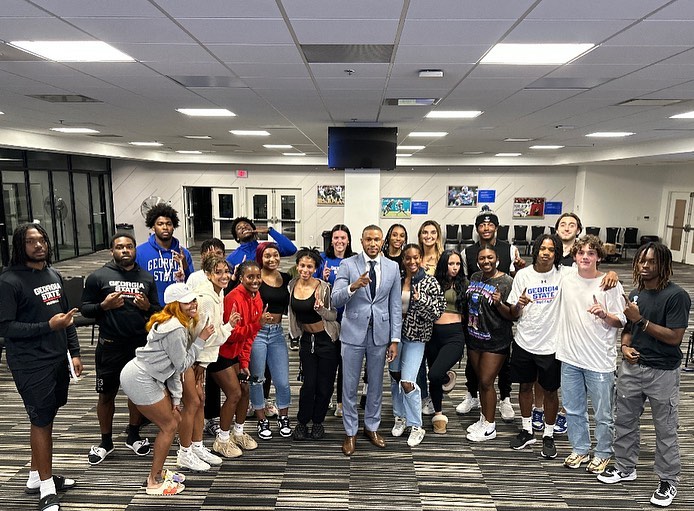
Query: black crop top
point(276, 298)
point(304, 311)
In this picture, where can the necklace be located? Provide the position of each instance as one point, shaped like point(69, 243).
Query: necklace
point(489, 278)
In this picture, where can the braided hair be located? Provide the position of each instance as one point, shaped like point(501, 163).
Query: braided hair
point(19, 251)
point(663, 260)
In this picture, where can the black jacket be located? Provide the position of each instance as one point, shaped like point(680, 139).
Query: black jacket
point(125, 324)
point(28, 300)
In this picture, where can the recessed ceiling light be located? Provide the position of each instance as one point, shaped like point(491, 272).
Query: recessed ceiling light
point(685, 115)
point(2, 113)
point(250, 133)
point(517, 139)
point(428, 134)
point(535, 54)
point(198, 137)
point(546, 146)
point(74, 130)
point(453, 114)
point(411, 147)
point(411, 101)
point(73, 51)
point(508, 154)
point(294, 154)
point(431, 73)
point(403, 155)
point(189, 152)
point(610, 134)
point(146, 144)
point(277, 146)
point(206, 112)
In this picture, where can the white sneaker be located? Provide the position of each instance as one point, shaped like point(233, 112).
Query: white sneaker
point(206, 455)
point(428, 406)
point(483, 433)
point(506, 410)
point(188, 459)
point(416, 436)
point(469, 403)
point(338, 410)
point(400, 426)
point(475, 425)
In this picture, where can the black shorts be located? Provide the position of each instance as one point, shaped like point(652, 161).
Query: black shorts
point(527, 367)
point(221, 364)
point(110, 358)
point(43, 390)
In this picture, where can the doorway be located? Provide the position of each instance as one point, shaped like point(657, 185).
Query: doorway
point(279, 208)
point(678, 229)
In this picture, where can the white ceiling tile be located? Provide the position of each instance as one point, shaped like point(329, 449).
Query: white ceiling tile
point(454, 32)
point(132, 30)
point(564, 31)
point(251, 53)
point(264, 70)
point(282, 83)
point(20, 8)
point(238, 31)
point(351, 83)
point(167, 52)
point(595, 9)
point(204, 69)
point(360, 70)
point(658, 33)
point(681, 10)
point(345, 32)
point(638, 54)
point(220, 8)
point(31, 29)
point(431, 55)
point(339, 9)
point(90, 8)
point(467, 9)
point(593, 71)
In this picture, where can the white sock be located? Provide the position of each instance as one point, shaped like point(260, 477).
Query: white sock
point(198, 445)
point(540, 408)
point(549, 430)
point(223, 435)
point(238, 429)
point(34, 480)
point(48, 487)
point(489, 426)
point(527, 424)
point(184, 449)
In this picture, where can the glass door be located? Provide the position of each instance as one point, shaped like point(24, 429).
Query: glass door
point(189, 214)
point(224, 210)
point(99, 207)
point(275, 207)
point(678, 230)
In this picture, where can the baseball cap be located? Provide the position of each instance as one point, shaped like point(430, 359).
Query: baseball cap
point(178, 292)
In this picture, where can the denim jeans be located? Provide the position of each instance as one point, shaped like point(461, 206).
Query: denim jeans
point(577, 385)
point(269, 347)
point(407, 404)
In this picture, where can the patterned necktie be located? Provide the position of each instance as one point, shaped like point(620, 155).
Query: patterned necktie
point(372, 277)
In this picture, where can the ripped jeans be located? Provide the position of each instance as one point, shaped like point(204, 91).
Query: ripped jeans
point(269, 347)
point(405, 368)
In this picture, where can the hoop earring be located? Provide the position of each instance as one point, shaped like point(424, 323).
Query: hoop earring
point(497, 264)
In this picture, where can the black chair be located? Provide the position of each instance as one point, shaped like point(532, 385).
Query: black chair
point(466, 231)
point(630, 240)
point(520, 237)
point(451, 240)
point(502, 232)
point(552, 229)
point(73, 288)
point(595, 231)
point(535, 232)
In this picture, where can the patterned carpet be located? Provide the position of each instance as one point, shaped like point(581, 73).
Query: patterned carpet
point(445, 472)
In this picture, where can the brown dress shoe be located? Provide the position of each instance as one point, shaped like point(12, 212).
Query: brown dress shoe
point(375, 438)
point(349, 445)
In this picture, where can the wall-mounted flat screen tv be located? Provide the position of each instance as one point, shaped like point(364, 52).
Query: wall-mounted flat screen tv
point(362, 148)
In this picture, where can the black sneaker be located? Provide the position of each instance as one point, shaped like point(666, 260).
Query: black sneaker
point(664, 495)
point(294, 344)
point(317, 432)
point(300, 432)
point(549, 450)
point(284, 427)
point(264, 432)
point(522, 440)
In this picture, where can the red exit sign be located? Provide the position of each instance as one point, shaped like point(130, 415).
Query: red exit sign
point(241, 173)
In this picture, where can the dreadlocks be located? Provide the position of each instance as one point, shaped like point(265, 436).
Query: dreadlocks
point(663, 260)
point(19, 252)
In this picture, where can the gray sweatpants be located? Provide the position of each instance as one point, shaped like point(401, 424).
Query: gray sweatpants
point(635, 384)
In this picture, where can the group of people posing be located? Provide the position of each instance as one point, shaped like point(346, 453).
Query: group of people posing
point(174, 339)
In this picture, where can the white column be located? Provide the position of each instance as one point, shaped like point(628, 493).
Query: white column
point(362, 200)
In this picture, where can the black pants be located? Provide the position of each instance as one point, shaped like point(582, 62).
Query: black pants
point(443, 351)
point(319, 357)
point(473, 383)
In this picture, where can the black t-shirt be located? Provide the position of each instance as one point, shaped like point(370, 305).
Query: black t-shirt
point(668, 308)
point(503, 253)
point(276, 298)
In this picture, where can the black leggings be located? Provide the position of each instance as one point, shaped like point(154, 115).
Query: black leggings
point(473, 382)
point(443, 351)
point(319, 356)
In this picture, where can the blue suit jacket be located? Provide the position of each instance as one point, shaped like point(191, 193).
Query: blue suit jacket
point(385, 310)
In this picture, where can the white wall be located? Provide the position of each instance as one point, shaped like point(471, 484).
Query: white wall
point(603, 196)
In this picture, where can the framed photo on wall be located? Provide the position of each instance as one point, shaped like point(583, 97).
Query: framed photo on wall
point(528, 207)
point(396, 207)
point(330, 195)
point(461, 197)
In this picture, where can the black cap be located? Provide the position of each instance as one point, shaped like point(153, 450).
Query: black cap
point(487, 216)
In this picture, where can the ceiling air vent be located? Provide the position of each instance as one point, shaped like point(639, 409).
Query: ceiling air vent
point(346, 53)
point(64, 98)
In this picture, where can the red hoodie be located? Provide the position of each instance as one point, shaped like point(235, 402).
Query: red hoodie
point(241, 339)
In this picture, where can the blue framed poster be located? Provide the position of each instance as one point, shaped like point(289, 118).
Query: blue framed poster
point(553, 208)
point(420, 207)
point(486, 196)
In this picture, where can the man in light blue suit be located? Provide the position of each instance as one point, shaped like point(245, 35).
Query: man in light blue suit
point(368, 286)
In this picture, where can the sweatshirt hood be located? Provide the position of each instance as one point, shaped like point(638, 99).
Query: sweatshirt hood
point(160, 330)
point(153, 242)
